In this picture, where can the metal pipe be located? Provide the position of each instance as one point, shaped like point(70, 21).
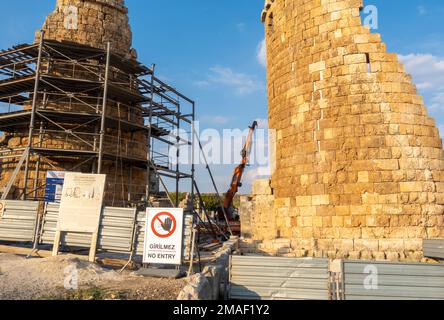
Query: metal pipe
point(104, 103)
point(193, 166)
point(214, 183)
point(37, 169)
point(39, 159)
point(11, 51)
point(202, 205)
point(33, 112)
point(178, 157)
point(163, 84)
point(150, 121)
point(193, 244)
point(130, 180)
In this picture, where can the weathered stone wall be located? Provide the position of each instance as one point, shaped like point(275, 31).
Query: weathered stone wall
point(360, 164)
point(256, 212)
point(91, 22)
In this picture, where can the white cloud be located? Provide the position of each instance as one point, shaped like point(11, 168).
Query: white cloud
point(427, 69)
point(437, 100)
point(422, 10)
point(441, 129)
point(242, 83)
point(253, 174)
point(215, 119)
point(262, 53)
point(241, 26)
point(428, 74)
point(223, 152)
point(262, 123)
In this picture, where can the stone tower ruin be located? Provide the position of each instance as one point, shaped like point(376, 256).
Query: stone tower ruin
point(90, 22)
point(359, 163)
point(68, 127)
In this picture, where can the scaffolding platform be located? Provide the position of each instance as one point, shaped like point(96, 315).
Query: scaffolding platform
point(67, 102)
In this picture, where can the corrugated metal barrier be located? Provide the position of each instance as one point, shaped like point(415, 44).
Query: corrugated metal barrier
point(19, 221)
point(364, 280)
point(116, 232)
point(121, 229)
point(140, 234)
point(434, 249)
point(275, 278)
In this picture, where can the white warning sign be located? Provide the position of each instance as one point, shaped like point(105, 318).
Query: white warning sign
point(163, 236)
point(81, 203)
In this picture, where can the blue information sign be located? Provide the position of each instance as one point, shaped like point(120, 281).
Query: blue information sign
point(54, 186)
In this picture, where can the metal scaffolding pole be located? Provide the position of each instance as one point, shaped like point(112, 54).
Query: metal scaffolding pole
point(105, 101)
point(37, 166)
point(149, 163)
point(193, 141)
point(33, 112)
point(178, 156)
point(130, 184)
point(213, 182)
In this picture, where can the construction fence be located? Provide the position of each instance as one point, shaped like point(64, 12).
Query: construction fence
point(434, 248)
point(270, 278)
point(392, 281)
point(121, 230)
point(18, 221)
point(276, 278)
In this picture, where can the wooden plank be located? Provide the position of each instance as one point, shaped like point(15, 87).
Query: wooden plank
point(24, 251)
point(56, 245)
point(93, 248)
point(210, 247)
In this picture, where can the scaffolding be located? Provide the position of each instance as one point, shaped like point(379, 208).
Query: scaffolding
point(76, 108)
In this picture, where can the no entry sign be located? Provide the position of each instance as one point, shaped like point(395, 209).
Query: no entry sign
point(163, 236)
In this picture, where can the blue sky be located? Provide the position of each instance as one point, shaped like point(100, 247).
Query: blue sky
point(209, 51)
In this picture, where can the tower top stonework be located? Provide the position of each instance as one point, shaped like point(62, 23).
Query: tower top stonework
point(90, 22)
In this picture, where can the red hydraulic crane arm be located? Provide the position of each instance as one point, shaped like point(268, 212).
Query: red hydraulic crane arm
point(239, 171)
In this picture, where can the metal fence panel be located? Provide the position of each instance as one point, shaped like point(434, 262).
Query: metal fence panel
point(365, 280)
point(117, 229)
point(269, 278)
point(49, 223)
point(140, 234)
point(116, 232)
point(434, 249)
point(19, 221)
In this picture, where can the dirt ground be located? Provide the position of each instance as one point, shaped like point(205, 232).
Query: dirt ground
point(37, 278)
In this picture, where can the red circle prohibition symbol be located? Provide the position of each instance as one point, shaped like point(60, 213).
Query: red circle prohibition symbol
point(157, 218)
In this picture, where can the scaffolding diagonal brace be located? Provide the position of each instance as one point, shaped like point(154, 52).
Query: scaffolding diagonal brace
point(15, 174)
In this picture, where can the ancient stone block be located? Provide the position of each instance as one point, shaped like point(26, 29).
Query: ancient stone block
point(261, 187)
